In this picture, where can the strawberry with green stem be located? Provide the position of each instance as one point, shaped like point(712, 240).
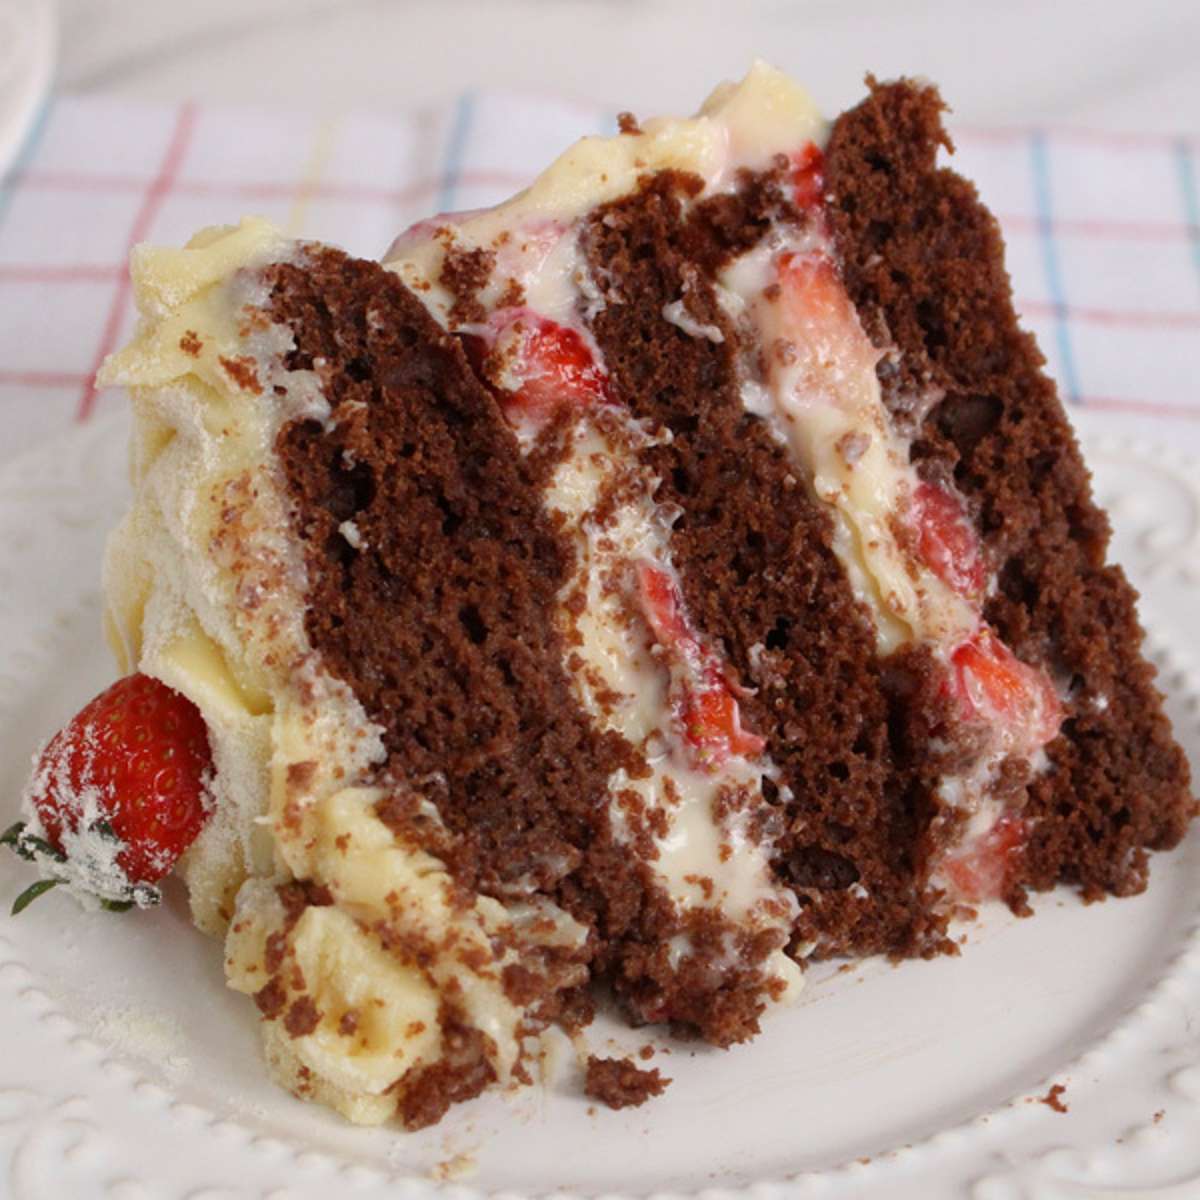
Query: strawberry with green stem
point(117, 796)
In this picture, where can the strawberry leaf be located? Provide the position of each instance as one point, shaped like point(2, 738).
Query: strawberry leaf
point(29, 845)
point(11, 837)
point(31, 893)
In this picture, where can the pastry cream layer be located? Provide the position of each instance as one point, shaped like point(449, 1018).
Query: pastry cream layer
point(820, 395)
point(205, 590)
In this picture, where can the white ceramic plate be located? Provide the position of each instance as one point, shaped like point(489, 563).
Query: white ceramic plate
point(27, 42)
point(128, 1072)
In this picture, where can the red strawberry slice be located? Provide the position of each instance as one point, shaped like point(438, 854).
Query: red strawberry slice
point(983, 871)
point(946, 541)
point(817, 326)
point(991, 684)
point(712, 722)
point(702, 700)
point(662, 604)
point(808, 176)
point(124, 782)
point(813, 292)
point(548, 366)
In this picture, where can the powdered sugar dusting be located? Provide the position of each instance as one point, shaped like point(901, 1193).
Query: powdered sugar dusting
point(91, 871)
point(150, 1035)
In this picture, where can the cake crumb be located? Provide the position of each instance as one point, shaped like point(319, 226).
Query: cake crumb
point(619, 1084)
point(1052, 1099)
point(628, 123)
point(302, 1018)
point(242, 371)
point(455, 1168)
point(1158, 1116)
point(646, 1052)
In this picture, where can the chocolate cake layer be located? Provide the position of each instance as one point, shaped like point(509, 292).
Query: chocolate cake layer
point(436, 609)
point(923, 261)
point(434, 605)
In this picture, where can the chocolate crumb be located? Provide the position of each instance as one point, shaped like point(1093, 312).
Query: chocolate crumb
point(617, 1083)
point(302, 1018)
point(243, 372)
point(271, 999)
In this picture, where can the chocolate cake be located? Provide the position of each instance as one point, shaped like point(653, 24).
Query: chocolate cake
point(681, 572)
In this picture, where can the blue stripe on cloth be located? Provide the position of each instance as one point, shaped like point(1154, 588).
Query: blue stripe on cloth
point(33, 136)
point(1050, 262)
point(456, 147)
point(1185, 165)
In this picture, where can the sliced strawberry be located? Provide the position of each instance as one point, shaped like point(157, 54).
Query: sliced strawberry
point(542, 367)
point(991, 684)
point(808, 176)
point(703, 702)
point(946, 541)
point(124, 782)
point(983, 870)
point(712, 722)
point(662, 604)
point(813, 292)
point(817, 327)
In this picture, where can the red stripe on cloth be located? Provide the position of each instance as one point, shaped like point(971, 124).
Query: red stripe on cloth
point(1112, 316)
point(17, 273)
point(1154, 231)
point(80, 181)
point(156, 193)
point(43, 378)
point(1157, 408)
point(1112, 139)
point(266, 189)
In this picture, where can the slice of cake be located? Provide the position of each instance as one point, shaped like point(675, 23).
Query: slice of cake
point(678, 572)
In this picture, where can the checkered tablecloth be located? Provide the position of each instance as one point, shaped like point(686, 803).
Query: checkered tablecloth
point(1103, 230)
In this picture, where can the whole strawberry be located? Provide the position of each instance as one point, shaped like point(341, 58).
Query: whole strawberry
point(117, 796)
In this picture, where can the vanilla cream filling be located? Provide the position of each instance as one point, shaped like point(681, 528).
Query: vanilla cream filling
point(821, 398)
point(700, 859)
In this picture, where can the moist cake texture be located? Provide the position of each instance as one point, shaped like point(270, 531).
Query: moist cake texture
point(680, 572)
